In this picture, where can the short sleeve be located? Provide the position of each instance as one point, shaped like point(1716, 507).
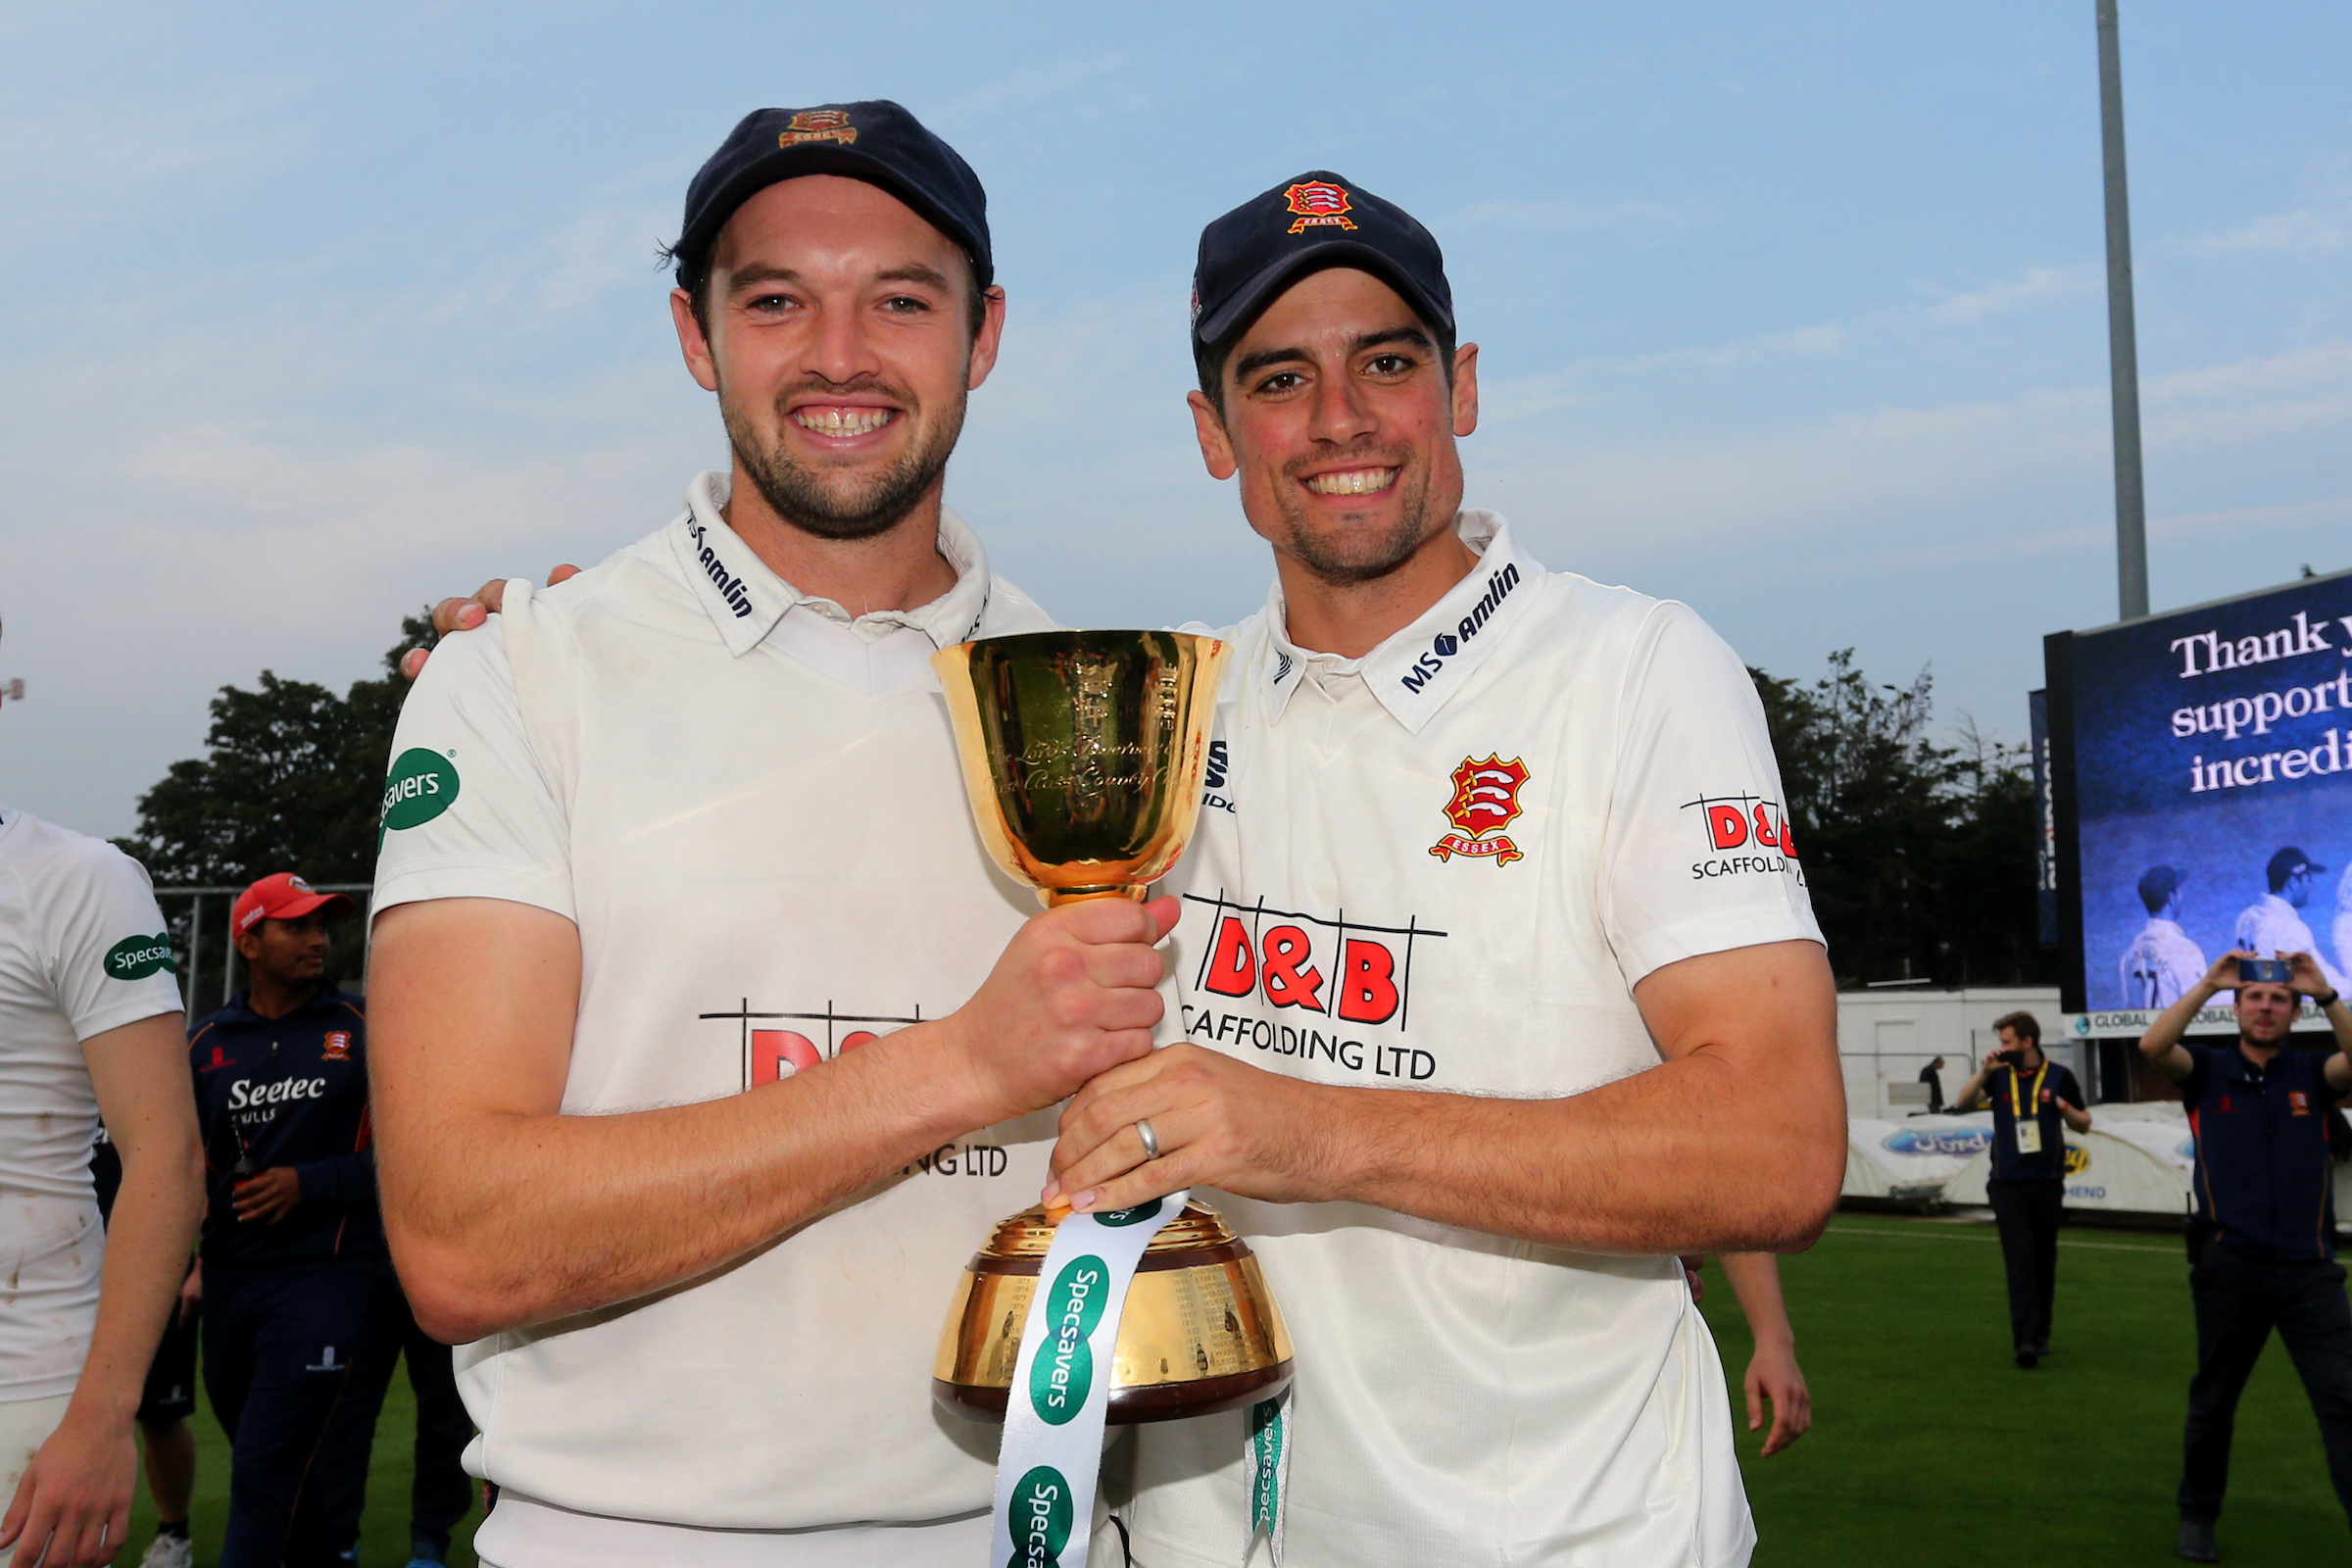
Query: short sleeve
point(2192, 1087)
point(472, 809)
point(109, 947)
point(1698, 855)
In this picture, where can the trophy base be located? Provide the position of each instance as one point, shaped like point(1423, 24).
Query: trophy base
point(1201, 1331)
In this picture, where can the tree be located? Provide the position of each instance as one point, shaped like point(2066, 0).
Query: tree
point(1919, 857)
point(292, 779)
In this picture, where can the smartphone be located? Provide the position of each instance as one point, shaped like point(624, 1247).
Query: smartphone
point(2265, 972)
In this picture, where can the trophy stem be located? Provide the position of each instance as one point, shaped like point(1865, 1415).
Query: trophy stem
point(1056, 898)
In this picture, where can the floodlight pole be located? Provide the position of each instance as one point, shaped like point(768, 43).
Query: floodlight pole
point(2123, 345)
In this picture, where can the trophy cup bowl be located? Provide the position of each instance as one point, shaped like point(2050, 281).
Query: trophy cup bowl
point(1083, 753)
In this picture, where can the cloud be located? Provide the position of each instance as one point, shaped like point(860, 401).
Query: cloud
point(1537, 216)
point(2039, 284)
point(2321, 221)
point(1826, 477)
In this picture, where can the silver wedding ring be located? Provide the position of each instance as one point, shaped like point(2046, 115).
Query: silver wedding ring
point(1142, 1130)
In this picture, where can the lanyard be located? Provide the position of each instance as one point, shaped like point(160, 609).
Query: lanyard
point(2018, 1103)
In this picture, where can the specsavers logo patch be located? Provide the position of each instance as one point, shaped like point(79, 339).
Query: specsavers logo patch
point(1063, 1373)
point(137, 957)
point(1040, 1518)
point(424, 784)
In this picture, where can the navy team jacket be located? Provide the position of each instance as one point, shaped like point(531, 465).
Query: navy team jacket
point(289, 1091)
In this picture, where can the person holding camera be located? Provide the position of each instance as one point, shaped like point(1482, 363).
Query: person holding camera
point(2263, 1243)
point(2033, 1101)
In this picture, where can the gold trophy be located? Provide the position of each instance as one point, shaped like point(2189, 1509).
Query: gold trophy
point(1083, 753)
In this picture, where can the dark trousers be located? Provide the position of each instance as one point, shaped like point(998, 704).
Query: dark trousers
point(296, 1362)
point(2239, 1300)
point(2028, 1213)
point(441, 1492)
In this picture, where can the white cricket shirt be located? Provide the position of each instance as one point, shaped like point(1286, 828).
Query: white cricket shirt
point(749, 805)
point(82, 949)
point(1444, 866)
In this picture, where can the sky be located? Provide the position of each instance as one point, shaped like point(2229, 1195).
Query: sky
point(316, 314)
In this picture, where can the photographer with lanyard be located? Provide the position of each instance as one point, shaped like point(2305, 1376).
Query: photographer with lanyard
point(2033, 1101)
point(2265, 1230)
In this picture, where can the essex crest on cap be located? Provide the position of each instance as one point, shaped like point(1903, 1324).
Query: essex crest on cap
point(819, 124)
point(1318, 204)
point(1313, 220)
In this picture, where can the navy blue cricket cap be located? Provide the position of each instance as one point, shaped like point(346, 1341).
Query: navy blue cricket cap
point(2159, 883)
point(876, 142)
point(2287, 863)
point(1318, 219)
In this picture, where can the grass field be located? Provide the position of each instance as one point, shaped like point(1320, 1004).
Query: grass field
point(384, 1532)
point(1928, 1447)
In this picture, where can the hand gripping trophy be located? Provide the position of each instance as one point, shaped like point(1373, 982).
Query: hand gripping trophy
point(1083, 753)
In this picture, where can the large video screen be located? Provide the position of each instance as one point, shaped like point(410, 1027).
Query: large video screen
point(2203, 769)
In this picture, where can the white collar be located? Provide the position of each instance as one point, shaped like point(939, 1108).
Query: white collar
point(1416, 670)
point(745, 598)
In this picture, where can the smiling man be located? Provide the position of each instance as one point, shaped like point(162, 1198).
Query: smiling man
point(701, 1058)
point(2263, 1238)
point(1499, 975)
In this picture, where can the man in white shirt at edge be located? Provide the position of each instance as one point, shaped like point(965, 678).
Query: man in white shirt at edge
point(1328, 393)
point(91, 1026)
point(2275, 927)
point(2161, 962)
point(847, 309)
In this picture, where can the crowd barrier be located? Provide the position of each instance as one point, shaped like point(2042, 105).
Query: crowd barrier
point(2137, 1159)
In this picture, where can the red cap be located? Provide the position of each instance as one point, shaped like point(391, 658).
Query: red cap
point(283, 897)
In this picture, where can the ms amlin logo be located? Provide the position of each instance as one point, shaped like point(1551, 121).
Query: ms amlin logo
point(1063, 1372)
point(1039, 1518)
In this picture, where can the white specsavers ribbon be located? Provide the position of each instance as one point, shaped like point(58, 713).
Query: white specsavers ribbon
point(1053, 1452)
point(1270, 1445)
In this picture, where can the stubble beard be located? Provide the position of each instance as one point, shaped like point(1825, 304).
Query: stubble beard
point(1346, 558)
point(843, 507)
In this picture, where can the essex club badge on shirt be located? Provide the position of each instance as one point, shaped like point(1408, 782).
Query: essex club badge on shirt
point(1485, 797)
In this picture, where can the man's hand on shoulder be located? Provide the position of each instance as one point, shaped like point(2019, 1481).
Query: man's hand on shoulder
point(463, 614)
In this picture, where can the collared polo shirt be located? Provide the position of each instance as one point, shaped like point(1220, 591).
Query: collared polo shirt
point(292, 1092)
point(1445, 866)
point(2160, 966)
point(82, 951)
point(2265, 1179)
point(2275, 927)
point(2036, 1092)
point(749, 803)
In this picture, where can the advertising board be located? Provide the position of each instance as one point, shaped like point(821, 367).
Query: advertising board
point(2200, 764)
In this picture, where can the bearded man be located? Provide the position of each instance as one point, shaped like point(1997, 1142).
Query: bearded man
point(697, 1068)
